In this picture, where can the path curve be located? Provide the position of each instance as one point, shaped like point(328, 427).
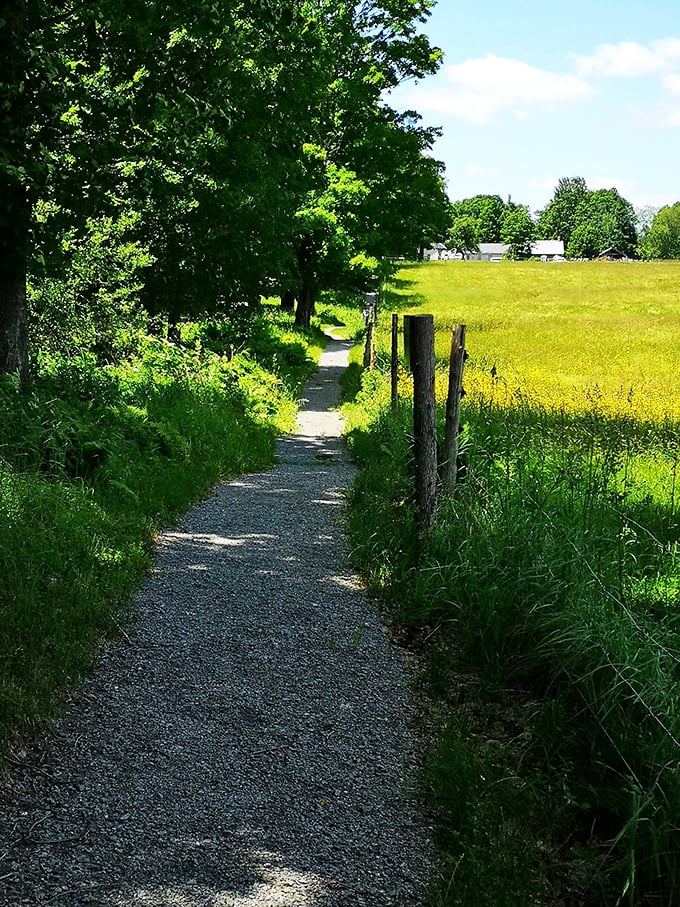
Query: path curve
point(249, 746)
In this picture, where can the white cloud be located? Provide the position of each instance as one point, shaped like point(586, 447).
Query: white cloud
point(479, 89)
point(673, 118)
point(659, 59)
point(629, 59)
point(672, 83)
point(668, 49)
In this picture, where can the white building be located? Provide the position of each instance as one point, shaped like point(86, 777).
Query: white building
point(541, 249)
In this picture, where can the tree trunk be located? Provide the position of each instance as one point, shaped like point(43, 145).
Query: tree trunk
point(15, 114)
point(305, 303)
point(13, 255)
point(288, 301)
point(305, 307)
point(13, 330)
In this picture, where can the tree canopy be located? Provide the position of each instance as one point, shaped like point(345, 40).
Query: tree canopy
point(487, 219)
point(486, 212)
point(518, 232)
point(179, 158)
point(661, 239)
point(589, 222)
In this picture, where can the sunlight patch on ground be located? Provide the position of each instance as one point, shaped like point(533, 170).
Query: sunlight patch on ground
point(346, 582)
point(218, 541)
point(313, 424)
point(279, 887)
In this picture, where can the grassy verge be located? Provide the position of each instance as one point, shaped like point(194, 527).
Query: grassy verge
point(544, 604)
point(93, 460)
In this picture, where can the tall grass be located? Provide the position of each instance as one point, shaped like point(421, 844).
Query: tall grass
point(572, 334)
point(545, 602)
point(94, 460)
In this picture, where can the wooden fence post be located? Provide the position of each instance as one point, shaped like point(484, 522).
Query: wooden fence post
point(370, 320)
point(424, 425)
point(369, 359)
point(450, 466)
point(394, 362)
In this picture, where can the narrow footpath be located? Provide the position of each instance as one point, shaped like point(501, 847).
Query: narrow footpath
point(249, 745)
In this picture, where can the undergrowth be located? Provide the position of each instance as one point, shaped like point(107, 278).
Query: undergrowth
point(95, 458)
point(544, 603)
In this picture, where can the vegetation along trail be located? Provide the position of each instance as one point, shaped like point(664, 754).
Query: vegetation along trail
point(249, 745)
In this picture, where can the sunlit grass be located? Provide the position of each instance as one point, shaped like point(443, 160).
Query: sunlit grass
point(565, 335)
point(547, 590)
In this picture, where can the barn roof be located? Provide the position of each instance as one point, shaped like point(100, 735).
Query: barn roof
point(547, 247)
point(493, 248)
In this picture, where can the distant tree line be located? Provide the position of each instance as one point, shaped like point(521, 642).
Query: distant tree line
point(160, 160)
point(487, 218)
point(589, 222)
point(661, 237)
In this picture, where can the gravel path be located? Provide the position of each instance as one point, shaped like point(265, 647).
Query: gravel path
point(249, 746)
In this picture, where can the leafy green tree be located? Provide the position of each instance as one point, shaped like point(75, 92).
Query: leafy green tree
point(326, 225)
point(561, 216)
point(407, 206)
point(366, 49)
point(94, 305)
point(463, 234)
point(614, 218)
point(605, 221)
point(585, 242)
point(206, 146)
point(662, 237)
point(488, 212)
point(161, 150)
point(180, 123)
point(518, 232)
point(589, 222)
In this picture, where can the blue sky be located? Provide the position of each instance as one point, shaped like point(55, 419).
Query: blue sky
point(531, 92)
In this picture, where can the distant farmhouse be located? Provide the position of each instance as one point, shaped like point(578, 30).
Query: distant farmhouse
point(541, 250)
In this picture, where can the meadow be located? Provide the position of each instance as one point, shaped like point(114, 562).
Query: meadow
point(568, 334)
point(544, 603)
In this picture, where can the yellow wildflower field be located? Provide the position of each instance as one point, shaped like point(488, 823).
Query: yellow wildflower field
point(572, 335)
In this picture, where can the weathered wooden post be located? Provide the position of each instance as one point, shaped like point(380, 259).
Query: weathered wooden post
point(368, 348)
point(407, 342)
point(394, 362)
point(370, 319)
point(372, 305)
point(450, 466)
point(421, 333)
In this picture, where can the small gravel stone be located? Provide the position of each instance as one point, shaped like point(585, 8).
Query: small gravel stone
point(250, 745)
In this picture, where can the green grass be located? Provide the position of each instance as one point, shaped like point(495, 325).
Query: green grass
point(564, 333)
point(93, 461)
point(545, 606)
point(344, 316)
